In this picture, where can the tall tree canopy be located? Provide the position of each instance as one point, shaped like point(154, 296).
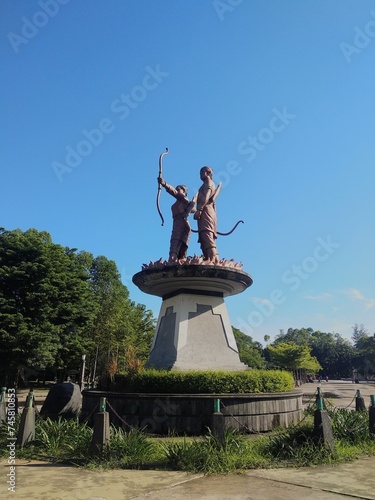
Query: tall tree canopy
point(250, 352)
point(57, 304)
point(46, 305)
point(120, 325)
point(293, 357)
point(365, 350)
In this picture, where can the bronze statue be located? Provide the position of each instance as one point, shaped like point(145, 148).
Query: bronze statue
point(181, 229)
point(206, 215)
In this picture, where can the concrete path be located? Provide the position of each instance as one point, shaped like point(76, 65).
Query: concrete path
point(42, 481)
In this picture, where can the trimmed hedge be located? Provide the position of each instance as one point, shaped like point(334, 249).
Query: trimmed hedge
point(205, 382)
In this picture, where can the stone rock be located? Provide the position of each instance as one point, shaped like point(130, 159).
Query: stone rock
point(62, 400)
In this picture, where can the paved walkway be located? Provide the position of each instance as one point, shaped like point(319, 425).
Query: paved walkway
point(38, 480)
point(340, 393)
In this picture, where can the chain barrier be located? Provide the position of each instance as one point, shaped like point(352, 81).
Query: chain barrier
point(313, 397)
point(331, 408)
point(139, 430)
point(327, 403)
point(303, 419)
point(334, 407)
point(120, 418)
point(308, 409)
point(90, 415)
point(309, 406)
point(244, 426)
point(346, 407)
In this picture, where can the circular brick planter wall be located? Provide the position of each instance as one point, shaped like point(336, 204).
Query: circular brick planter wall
point(192, 413)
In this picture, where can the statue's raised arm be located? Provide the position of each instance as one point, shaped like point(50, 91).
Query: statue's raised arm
point(181, 229)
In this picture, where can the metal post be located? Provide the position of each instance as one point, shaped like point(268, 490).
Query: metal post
point(3, 407)
point(322, 424)
point(218, 423)
point(103, 404)
point(371, 413)
point(359, 402)
point(26, 431)
point(83, 372)
point(2, 397)
point(101, 431)
point(30, 399)
point(216, 405)
point(319, 400)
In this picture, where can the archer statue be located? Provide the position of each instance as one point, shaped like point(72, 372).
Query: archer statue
point(204, 214)
point(181, 210)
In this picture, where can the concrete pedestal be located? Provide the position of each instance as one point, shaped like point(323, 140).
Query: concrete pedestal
point(193, 331)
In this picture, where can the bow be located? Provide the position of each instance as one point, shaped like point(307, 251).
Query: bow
point(223, 234)
point(159, 187)
point(231, 231)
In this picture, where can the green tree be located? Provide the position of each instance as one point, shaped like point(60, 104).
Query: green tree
point(57, 304)
point(250, 352)
point(120, 325)
point(365, 350)
point(293, 357)
point(334, 353)
point(359, 333)
point(299, 336)
point(46, 304)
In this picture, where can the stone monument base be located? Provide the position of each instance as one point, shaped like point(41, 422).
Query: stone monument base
point(193, 331)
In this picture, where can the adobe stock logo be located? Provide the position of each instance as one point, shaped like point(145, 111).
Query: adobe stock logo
point(256, 143)
point(121, 107)
point(40, 18)
point(362, 38)
point(223, 6)
point(293, 277)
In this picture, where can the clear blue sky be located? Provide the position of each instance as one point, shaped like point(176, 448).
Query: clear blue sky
point(276, 96)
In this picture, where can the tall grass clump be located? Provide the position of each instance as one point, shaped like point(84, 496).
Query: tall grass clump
point(62, 439)
point(209, 454)
point(352, 426)
point(297, 446)
point(125, 449)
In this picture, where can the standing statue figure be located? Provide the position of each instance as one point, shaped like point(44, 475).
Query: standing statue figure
point(206, 216)
point(181, 229)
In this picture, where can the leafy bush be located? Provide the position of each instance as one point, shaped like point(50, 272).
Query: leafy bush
point(206, 382)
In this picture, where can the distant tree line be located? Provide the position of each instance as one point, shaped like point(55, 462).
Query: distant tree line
point(313, 352)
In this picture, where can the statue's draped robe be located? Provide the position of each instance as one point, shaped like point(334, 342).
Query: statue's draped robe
point(207, 221)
